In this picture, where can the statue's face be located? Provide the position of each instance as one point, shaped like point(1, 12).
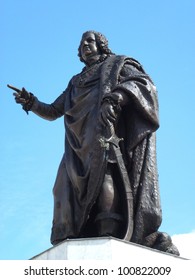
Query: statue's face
point(88, 46)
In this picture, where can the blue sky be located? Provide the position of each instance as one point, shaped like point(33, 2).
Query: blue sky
point(39, 42)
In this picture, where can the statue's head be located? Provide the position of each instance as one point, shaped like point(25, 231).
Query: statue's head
point(93, 43)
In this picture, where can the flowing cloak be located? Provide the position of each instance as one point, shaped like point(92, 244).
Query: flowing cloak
point(83, 166)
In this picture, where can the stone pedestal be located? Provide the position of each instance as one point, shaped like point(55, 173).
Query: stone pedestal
point(105, 248)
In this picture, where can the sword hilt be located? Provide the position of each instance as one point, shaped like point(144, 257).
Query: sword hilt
point(113, 139)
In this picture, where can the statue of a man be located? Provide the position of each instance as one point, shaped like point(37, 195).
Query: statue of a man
point(105, 188)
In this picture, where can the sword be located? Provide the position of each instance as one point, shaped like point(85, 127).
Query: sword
point(114, 141)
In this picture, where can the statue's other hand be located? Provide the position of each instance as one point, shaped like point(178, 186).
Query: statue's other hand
point(22, 97)
point(107, 114)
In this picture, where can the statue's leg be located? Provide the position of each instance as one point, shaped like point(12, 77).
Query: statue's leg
point(109, 219)
point(63, 224)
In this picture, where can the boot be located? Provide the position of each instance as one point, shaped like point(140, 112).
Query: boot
point(108, 224)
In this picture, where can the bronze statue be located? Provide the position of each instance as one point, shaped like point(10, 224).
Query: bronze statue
point(107, 182)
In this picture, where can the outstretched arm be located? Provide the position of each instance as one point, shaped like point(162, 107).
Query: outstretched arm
point(51, 111)
point(31, 103)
